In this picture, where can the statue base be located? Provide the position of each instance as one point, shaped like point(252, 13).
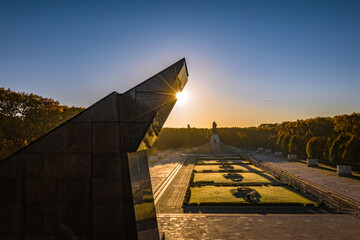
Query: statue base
point(215, 144)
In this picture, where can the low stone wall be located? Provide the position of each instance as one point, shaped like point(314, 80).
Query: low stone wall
point(278, 153)
point(312, 162)
point(343, 171)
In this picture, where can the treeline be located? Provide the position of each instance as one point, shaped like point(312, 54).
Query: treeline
point(191, 137)
point(331, 140)
point(24, 117)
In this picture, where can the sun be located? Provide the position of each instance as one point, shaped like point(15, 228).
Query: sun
point(182, 97)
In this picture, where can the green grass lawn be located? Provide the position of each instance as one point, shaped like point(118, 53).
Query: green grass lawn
point(219, 158)
point(144, 211)
point(234, 178)
point(270, 195)
point(236, 161)
point(233, 167)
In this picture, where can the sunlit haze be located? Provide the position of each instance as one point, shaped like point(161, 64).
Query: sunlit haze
point(249, 62)
point(182, 97)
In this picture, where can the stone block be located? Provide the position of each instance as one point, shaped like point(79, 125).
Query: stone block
point(260, 149)
point(80, 137)
point(75, 216)
point(278, 153)
point(34, 218)
point(34, 165)
point(80, 165)
point(107, 165)
point(102, 213)
point(344, 171)
point(56, 165)
point(40, 189)
point(136, 132)
point(102, 111)
point(11, 218)
point(105, 137)
point(312, 162)
point(13, 237)
point(108, 190)
point(20, 165)
point(73, 189)
point(50, 218)
point(105, 109)
point(8, 167)
point(292, 156)
point(268, 151)
point(59, 216)
point(34, 190)
point(11, 190)
point(56, 141)
point(49, 188)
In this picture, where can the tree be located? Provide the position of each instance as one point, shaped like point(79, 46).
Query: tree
point(351, 153)
point(285, 143)
point(348, 124)
point(297, 146)
point(24, 117)
point(315, 147)
point(337, 148)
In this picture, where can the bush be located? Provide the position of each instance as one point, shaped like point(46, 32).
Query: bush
point(337, 149)
point(285, 143)
point(315, 147)
point(297, 146)
point(351, 154)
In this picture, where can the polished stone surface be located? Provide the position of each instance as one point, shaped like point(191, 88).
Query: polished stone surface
point(253, 226)
point(89, 178)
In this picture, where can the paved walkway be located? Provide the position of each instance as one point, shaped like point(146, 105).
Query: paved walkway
point(172, 199)
point(161, 169)
point(233, 226)
point(346, 186)
point(270, 227)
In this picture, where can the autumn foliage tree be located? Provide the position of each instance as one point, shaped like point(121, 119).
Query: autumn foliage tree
point(24, 117)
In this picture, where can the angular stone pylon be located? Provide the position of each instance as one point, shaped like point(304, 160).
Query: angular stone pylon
point(89, 178)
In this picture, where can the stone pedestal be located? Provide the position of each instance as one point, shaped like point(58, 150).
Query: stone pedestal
point(260, 149)
point(292, 156)
point(215, 144)
point(268, 151)
point(344, 171)
point(312, 162)
point(278, 153)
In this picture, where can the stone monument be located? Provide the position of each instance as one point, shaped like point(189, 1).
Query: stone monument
point(215, 140)
point(89, 177)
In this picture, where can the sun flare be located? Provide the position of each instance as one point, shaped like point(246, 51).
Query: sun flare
point(182, 97)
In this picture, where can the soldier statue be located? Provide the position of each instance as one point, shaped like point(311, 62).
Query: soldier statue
point(214, 128)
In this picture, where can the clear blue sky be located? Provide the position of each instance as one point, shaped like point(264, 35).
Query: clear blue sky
point(249, 62)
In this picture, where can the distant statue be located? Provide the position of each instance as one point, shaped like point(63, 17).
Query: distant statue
point(214, 128)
